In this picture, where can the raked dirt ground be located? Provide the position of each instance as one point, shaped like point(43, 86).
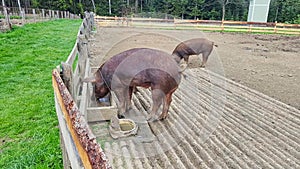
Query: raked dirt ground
point(213, 122)
point(267, 63)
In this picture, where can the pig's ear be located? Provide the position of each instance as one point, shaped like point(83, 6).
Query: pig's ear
point(90, 79)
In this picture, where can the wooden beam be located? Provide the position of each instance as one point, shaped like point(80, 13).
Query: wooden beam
point(90, 152)
point(70, 152)
point(81, 151)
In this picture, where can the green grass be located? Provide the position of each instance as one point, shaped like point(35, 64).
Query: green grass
point(11, 17)
point(29, 134)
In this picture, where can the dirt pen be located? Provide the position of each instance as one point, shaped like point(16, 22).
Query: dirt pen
point(213, 122)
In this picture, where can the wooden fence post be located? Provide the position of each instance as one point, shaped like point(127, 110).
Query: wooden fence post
point(43, 13)
point(275, 27)
point(68, 77)
point(53, 14)
point(93, 23)
point(6, 13)
point(83, 51)
point(23, 16)
point(34, 15)
point(174, 21)
point(222, 25)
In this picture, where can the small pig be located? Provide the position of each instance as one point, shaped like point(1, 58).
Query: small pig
point(193, 47)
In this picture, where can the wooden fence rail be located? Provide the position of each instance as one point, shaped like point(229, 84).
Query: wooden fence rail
point(209, 25)
point(13, 16)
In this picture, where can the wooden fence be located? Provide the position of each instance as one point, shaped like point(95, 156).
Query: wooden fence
point(79, 145)
point(14, 16)
point(205, 25)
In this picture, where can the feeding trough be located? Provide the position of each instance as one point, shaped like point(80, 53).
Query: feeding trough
point(127, 125)
point(122, 128)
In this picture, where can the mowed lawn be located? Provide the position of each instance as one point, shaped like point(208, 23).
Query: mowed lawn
point(29, 133)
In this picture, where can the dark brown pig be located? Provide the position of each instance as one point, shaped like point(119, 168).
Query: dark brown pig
point(142, 67)
point(193, 47)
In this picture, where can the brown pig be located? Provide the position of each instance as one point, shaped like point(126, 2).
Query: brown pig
point(193, 47)
point(148, 68)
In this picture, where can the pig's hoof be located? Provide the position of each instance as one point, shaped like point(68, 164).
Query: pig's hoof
point(121, 116)
point(129, 108)
point(162, 117)
point(184, 76)
point(151, 118)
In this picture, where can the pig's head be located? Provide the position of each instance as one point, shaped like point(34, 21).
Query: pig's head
point(100, 87)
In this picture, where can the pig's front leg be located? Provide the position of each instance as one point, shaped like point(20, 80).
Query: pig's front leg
point(120, 93)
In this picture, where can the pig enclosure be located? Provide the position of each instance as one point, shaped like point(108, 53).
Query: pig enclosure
point(213, 122)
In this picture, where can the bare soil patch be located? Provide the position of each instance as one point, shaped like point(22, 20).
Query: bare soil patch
point(267, 63)
point(254, 130)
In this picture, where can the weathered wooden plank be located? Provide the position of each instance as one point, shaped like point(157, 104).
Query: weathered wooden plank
point(67, 140)
point(100, 113)
point(81, 151)
point(73, 54)
point(76, 82)
point(85, 95)
point(68, 76)
point(89, 150)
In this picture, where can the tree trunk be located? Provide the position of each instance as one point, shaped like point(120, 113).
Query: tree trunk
point(20, 9)
point(21, 12)
point(94, 6)
point(27, 5)
point(223, 11)
point(224, 3)
point(136, 6)
point(141, 6)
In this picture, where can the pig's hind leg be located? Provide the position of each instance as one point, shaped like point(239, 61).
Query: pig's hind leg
point(157, 99)
point(205, 57)
point(166, 105)
point(128, 99)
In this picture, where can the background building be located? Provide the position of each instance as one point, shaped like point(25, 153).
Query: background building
point(258, 10)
